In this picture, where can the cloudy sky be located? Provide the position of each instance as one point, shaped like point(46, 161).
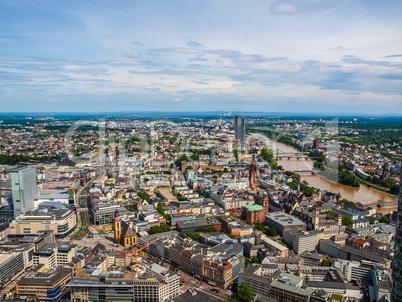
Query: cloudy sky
point(249, 55)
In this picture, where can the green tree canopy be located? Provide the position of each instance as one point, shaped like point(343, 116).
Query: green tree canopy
point(384, 219)
point(326, 262)
point(193, 236)
point(271, 232)
point(347, 222)
point(259, 226)
point(159, 229)
point(244, 292)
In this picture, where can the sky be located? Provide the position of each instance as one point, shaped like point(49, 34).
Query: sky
point(329, 56)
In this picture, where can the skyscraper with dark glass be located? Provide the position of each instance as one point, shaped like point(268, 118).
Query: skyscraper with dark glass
point(397, 265)
point(240, 128)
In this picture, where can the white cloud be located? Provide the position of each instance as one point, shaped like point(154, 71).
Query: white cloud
point(177, 100)
point(284, 8)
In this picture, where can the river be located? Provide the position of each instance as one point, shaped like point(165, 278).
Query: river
point(362, 194)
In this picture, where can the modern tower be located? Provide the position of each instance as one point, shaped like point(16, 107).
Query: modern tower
point(240, 128)
point(396, 294)
point(24, 189)
point(316, 144)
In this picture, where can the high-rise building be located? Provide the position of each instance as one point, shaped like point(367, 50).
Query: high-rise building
point(316, 143)
point(397, 265)
point(240, 128)
point(24, 189)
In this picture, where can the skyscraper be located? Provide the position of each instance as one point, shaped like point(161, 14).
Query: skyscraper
point(24, 189)
point(316, 143)
point(396, 295)
point(240, 128)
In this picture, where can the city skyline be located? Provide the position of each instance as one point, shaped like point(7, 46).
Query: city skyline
point(274, 56)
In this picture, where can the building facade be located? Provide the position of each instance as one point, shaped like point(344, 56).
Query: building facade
point(397, 265)
point(240, 128)
point(24, 189)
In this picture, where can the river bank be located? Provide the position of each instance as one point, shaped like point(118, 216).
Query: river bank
point(363, 194)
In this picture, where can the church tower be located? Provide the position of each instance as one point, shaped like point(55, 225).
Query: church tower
point(117, 226)
point(265, 203)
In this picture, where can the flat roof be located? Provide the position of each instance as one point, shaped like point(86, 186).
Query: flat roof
point(284, 219)
point(191, 223)
point(7, 257)
point(275, 244)
point(167, 194)
point(48, 277)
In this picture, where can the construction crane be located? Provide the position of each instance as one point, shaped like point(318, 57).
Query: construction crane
point(136, 251)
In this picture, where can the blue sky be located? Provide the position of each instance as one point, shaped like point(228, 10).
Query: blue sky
point(271, 56)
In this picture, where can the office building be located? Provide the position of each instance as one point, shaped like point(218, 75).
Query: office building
point(283, 222)
point(240, 128)
point(289, 288)
point(258, 281)
point(192, 225)
point(397, 265)
point(24, 189)
point(166, 277)
point(43, 283)
point(11, 265)
point(56, 218)
point(303, 241)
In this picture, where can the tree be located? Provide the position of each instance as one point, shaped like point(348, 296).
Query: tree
point(330, 213)
point(347, 222)
point(159, 229)
point(244, 292)
point(142, 196)
point(231, 300)
point(255, 260)
point(309, 192)
point(307, 277)
point(211, 229)
point(372, 221)
point(388, 182)
point(246, 262)
point(326, 262)
point(259, 226)
point(160, 210)
point(271, 232)
point(384, 219)
point(193, 236)
point(172, 139)
point(117, 240)
point(288, 173)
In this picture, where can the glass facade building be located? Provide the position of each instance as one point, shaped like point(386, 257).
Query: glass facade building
point(24, 189)
point(240, 128)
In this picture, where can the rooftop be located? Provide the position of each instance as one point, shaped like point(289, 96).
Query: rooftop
point(253, 207)
point(40, 276)
point(284, 219)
